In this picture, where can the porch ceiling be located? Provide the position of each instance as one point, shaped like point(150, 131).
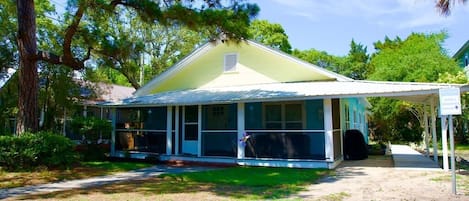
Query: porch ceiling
point(409, 91)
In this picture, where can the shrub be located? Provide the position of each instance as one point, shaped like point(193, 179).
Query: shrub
point(92, 128)
point(39, 149)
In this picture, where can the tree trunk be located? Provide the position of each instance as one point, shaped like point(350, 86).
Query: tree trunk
point(27, 119)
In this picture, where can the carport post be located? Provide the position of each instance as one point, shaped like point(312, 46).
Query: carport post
point(453, 161)
point(427, 133)
point(444, 141)
point(433, 124)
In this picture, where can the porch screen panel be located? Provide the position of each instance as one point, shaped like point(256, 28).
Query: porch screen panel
point(286, 145)
point(219, 130)
point(314, 114)
point(141, 141)
point(337, 140)
point(253, 116)
point(141, 129)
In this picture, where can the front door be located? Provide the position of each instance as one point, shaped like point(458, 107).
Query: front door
point(190, 130)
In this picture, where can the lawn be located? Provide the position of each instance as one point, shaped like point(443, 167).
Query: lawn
point(236, 183)
point(84, 170)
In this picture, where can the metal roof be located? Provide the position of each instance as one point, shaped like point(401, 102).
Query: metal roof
point(409, 91)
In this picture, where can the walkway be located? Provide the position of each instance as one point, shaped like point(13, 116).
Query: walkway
point(407, 158)
point(96, 181)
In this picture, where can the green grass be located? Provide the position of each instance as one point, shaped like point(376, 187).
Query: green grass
point(111, 167)
point(461, 147)
point(252, 183)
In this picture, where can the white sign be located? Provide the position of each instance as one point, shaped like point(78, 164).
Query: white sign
point(450, 101)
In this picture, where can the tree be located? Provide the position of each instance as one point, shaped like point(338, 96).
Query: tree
point(445, 6)
point(270, 34)
point(356, 66)
point(231, 21)
point(418, 58)
point(321, 59)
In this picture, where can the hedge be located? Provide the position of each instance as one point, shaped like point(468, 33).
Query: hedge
point(36, 149)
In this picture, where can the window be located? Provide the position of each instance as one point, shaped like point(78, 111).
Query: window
point(287, 116)
point(219, 117)
point(347, 116)
point(466, 60)
point(230, 62)
point(191, 123)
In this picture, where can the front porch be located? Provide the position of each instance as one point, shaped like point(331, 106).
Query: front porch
point(304, 134)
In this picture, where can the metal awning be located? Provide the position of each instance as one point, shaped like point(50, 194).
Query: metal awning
point(409, 91)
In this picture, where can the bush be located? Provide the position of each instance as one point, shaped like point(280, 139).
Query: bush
point(92, 128)
point(39, 149)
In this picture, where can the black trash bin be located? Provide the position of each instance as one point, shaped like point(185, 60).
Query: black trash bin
point(355, 147)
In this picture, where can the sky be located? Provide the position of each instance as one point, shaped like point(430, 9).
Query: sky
point(331, 25)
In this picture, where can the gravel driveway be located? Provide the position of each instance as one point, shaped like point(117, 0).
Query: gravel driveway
point(377, 179)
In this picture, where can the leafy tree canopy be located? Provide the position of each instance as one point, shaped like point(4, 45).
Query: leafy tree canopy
point(270, 34)
point(418, 58)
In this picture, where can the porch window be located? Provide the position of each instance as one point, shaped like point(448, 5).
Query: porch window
point(285, 130)
point(141, 129)
point(286, 116)
point(347, 116)
point(191, 123)
point(219, 130)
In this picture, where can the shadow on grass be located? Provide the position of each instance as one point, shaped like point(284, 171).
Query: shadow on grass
point(263, 183)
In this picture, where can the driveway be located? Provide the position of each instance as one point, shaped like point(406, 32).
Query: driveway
point(377, 179)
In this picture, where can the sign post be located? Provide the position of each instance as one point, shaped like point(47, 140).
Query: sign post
point(450, 104)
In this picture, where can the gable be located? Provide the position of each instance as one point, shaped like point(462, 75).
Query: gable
point(255, 64)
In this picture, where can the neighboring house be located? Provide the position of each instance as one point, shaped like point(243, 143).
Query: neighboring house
point(462, 57)
point(94, 94)
point(103, 92)
point(248, 104)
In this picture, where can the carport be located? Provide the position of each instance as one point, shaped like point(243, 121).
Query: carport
point(426, 94)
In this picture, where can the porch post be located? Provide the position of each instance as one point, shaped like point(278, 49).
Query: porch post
point(113, 132)
point(427, 132)
point(199, 132)
point(176, 131)
point(85, 110)
point(444, 141)
point(169, 129)
point(433, 125)
point(241, 128)
point(328, 130)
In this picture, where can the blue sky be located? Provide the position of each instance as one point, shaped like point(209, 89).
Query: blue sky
point(330, 25)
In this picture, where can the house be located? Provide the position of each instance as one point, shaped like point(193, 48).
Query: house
point(462, 56)
point(248, 104)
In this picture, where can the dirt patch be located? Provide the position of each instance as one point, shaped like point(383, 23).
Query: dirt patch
point(377, 179)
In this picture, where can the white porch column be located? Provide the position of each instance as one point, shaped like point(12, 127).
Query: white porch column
point(176, 131)
point(85, 111)
point(427, 132)
point(199, 132)
point(113, 132)
point(241, 128)
point(433, 125)
point(444, 141)
point(169, 129)
point(328, 130)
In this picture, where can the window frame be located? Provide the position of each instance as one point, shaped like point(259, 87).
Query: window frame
point(283, 119)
